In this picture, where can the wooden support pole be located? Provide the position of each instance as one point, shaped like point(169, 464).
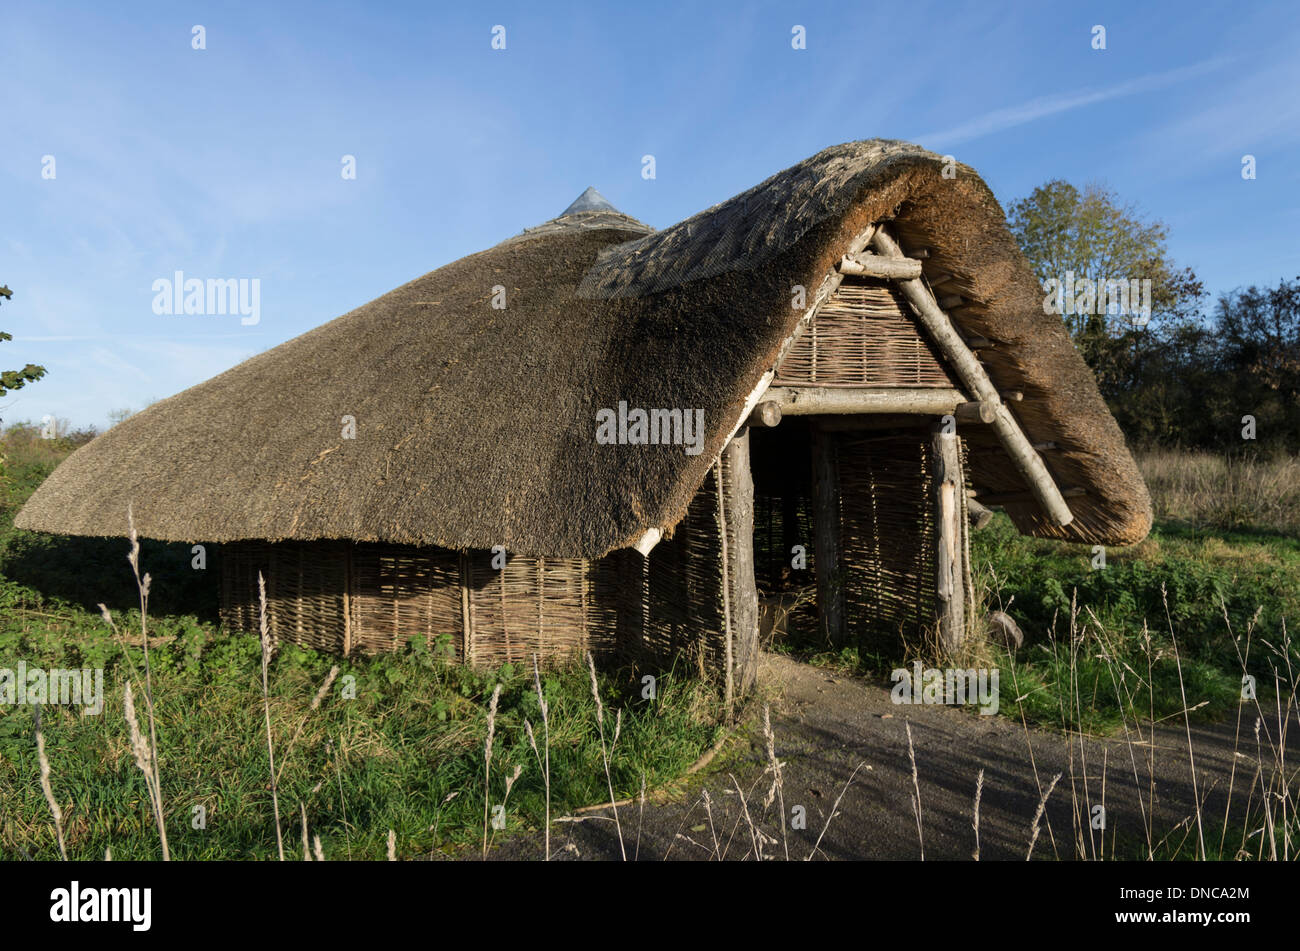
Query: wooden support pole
point(466, 624)
point(826, 537)
point(739, 489)
point(729, 652)
point(948, 540)
point(820, 401)
point(936, 322)
point(873, 265)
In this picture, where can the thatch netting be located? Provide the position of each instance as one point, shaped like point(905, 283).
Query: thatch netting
point(475, 426)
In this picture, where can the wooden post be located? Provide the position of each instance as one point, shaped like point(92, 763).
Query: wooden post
point(948, 543)
point(348, 551)
point(744, 589)
point(726, 586)
point(466, 624)
point(826, 537)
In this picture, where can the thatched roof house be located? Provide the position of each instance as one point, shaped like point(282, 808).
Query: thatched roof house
point(482, 396)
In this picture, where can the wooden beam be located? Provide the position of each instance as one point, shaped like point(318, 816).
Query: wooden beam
point(826, 537)
point(949, 550)
point(936, 322)
point(951, 301)
point(978, 515)
point(873, 265)
point(978, 411)
point(816, 401)
point(766, 415)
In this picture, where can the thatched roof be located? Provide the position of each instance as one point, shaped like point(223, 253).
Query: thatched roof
point(475, 426)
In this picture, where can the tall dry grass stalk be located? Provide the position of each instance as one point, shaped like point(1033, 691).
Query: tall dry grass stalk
point(916, 789)
point(777, 788)
point(142, 586)
point(1038, 815)
point(754, 836)
point(606, 752)
point(1187, 723)
point(144, 759)
point(487, 761)
point(544, 756)
point(835, 811)
point(55, 811)
point(268, 646)
point(306, 852)
point(510, 784)
point(708, 811)
point(316, 701)
point(979, 789)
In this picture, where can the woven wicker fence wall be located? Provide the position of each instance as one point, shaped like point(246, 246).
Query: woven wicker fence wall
point(862, 336)
point(887, 536)
point(344, 597)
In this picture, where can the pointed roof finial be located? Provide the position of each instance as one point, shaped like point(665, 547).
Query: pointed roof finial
point(590, 200)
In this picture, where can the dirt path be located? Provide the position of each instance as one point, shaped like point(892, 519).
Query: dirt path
point(826, 724)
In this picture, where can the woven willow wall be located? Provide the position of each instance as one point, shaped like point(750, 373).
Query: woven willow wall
point(863, 335)
point(886, 529)
point(887, 532)
point(344, 597)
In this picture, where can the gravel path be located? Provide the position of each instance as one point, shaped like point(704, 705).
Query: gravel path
point(828, 724)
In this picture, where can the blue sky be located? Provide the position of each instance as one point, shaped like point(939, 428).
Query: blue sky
point(225, 162)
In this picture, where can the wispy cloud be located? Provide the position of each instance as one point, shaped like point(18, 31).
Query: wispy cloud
point(1011, 116)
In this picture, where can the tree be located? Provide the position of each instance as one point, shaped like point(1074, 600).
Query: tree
point(16, 379)
point(1072, 236)
point(1145, 363)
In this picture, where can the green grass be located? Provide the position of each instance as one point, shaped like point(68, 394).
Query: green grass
point(396, 744)
point(1205, 589)
point(385, 759)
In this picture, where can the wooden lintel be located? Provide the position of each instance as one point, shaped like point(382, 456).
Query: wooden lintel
point(816, 401)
